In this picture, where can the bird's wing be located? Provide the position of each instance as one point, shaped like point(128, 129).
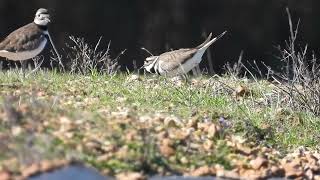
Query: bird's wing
point(174, 59)
point(24, 38)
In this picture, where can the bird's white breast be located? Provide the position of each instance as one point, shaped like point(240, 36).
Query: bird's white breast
point(24, 55)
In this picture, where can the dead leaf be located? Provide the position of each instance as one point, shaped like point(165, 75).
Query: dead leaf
point(241, 91)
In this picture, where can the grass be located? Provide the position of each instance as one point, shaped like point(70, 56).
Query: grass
point(118, 122)
point(122, 122)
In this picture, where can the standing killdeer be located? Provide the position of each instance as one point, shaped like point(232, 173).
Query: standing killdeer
point(29, 40)
point(178, 62)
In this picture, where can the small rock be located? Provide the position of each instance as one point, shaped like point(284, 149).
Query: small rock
point(131, 135)
point(165, 148)
point(184, 160)
point(203, 171)
point(312, 159)
point(104, 157)
point(213, 131)
point(4, 175)
point(316, 177)
point(33, 169)
point(65, 120)
point(253, 174)
point(258, 163)
point(293, 170)
point(315, 168)
point(219, 170)
point(131, 176)
point(277, 171)
point(231, 174)
point(16, 130)
point(93, 145)
point(309, 174)
point(46, 166)
point(243, 149)
point(172, 122)
point(179, 134)
point(122, 153)
point(57, 163)
point(208, 144)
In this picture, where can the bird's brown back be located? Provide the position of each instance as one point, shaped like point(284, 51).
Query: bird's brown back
point(25, 38)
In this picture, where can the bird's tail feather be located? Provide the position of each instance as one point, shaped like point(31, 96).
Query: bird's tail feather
point(207, 43)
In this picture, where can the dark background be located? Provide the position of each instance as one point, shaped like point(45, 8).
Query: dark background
point(254, 26)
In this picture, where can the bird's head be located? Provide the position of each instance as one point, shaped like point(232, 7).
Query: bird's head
point(42, 17)
point(149, 63)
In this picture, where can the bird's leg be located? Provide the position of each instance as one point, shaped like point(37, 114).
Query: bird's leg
point(186, 78)
point(180, 79)
point(196, 71)
point(23, 68)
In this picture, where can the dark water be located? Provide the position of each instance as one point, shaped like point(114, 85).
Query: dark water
point(76, 172)
point(79, 172)
point(183, 178)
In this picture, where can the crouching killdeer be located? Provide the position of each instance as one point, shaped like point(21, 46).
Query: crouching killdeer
point(178, 62)
point(29, 40)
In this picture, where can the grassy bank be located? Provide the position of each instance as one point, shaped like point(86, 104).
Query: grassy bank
point(146, 124)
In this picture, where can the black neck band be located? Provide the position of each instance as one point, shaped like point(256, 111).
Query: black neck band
point(44, 28)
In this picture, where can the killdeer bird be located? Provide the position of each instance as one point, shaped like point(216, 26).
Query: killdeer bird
point(28, 41)
point(178, 62)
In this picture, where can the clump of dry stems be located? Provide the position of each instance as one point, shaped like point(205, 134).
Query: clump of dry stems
point(85, 59)
point(300, 78)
